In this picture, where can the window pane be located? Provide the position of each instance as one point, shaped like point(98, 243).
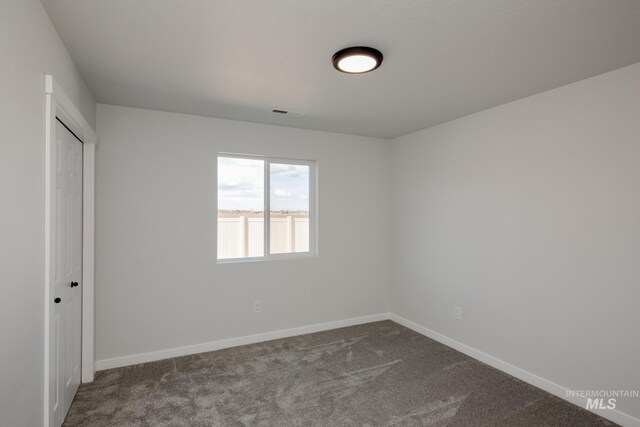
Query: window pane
point(240, 208)
point(289, 201)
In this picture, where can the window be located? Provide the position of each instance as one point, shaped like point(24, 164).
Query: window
point(254, 191)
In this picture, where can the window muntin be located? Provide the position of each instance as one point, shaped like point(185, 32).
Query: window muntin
point(253, 191)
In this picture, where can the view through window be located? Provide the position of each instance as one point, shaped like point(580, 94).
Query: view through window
point(254, 191)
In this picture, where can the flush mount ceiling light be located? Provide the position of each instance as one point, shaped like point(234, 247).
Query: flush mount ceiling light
point(357, 59)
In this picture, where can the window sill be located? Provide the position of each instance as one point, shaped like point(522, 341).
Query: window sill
point(267, 258)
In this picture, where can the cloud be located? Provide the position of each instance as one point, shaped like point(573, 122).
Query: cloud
point(289, 170)
point(235, 186)
point(282, 194)
point(240, 184)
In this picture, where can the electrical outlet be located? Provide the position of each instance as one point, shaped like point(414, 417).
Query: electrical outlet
point(457, 313)
point(257, 306)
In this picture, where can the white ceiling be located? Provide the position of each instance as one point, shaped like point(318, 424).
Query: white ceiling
point(443, 59)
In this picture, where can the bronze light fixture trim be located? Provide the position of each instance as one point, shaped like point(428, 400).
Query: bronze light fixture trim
point(357, 60)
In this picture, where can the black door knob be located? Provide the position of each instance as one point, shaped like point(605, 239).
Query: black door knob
point(57, 300)
point(74, 284)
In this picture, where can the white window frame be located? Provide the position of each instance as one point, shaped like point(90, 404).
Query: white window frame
point(313, 213)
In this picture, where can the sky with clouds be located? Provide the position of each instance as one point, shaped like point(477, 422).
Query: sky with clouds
point(240, 185)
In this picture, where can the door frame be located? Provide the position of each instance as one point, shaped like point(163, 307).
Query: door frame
point(58, 104)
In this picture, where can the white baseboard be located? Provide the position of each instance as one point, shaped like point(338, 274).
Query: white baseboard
point(153, 356)
point(611, 414)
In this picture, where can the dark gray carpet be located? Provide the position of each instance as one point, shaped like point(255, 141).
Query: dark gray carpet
point(378, 374)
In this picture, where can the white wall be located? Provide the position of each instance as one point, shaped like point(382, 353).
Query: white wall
point(157, 282)
point(29, 47)
point(527, 216)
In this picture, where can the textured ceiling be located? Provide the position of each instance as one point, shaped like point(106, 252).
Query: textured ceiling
point(238, 59)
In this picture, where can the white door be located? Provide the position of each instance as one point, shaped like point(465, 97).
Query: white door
point(66, 294)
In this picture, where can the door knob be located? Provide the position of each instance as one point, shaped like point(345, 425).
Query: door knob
point(57, 300)
point(74, 284)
